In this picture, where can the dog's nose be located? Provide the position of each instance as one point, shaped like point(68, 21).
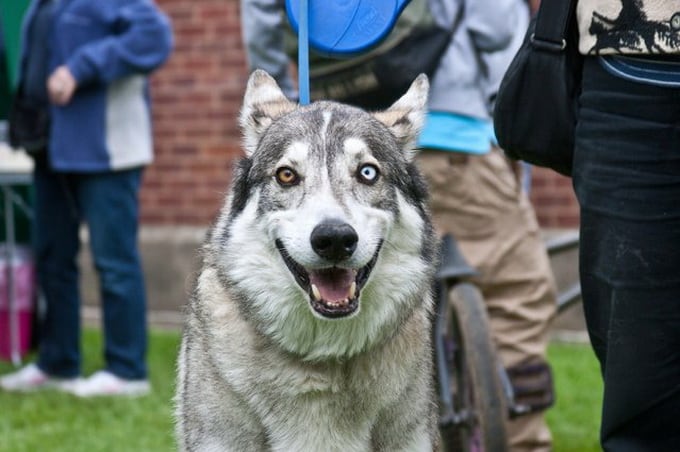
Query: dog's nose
point(334, 240)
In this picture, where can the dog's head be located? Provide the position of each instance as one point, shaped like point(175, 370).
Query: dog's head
point(326, 220)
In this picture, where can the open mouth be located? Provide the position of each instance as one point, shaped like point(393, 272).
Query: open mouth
point(333, 291)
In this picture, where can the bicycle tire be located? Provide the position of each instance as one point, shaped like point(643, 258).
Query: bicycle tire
point(474, 376)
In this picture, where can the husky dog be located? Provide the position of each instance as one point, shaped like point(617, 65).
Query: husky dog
point(309, 327)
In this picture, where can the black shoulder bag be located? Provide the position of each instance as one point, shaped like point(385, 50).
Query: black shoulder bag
point(29, 124)
point(535, 111)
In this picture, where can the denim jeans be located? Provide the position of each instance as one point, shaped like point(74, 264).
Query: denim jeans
point(627, 179)
point(108, 204)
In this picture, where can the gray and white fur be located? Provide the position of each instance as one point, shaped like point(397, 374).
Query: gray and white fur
point(309, 325)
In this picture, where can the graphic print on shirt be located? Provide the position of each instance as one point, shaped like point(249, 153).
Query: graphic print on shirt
point(639, 26)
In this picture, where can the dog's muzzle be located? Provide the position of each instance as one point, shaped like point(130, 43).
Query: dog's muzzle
point(334, 290)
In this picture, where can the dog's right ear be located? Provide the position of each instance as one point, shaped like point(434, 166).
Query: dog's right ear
point(262, 104)
point(406, 116)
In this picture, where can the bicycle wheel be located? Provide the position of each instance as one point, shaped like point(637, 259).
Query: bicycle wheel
point(477, 393)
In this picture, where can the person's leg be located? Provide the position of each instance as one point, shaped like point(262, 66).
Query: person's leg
point(634, 324)
point(627, 180)
point(56, 224)
point(110, 205)
point(478, 199)
point(520, 294)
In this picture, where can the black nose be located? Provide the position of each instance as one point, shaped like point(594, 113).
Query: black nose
point(334, 240)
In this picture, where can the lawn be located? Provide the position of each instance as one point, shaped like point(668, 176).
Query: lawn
point(50, 421)
point(575, 418)
point(56, 422)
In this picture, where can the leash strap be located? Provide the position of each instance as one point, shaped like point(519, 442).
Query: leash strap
point(303, 53)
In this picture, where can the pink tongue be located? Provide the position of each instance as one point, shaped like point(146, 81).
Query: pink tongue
point(333, 283)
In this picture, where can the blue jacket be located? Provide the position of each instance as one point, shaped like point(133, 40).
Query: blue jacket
point(109, 46)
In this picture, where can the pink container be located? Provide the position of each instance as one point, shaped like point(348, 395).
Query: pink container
point(23, 271)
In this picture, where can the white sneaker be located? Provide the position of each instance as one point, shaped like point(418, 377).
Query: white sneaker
point(104, 383)
point(31, 378)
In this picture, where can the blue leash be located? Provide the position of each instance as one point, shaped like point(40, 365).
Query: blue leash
point(303, 53)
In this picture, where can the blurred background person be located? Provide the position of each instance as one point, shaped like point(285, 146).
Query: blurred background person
point(85, 65)
point(626, 174)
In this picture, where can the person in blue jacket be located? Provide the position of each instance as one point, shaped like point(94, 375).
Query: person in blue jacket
point(86, 63)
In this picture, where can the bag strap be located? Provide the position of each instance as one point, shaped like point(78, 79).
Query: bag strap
point(552, 24)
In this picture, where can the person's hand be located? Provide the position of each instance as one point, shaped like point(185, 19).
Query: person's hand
point(61, 85)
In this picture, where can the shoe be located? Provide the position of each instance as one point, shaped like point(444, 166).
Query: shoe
point(31, 378)
point(104, 383)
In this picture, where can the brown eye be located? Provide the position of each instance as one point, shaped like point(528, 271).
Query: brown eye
point(286, 176)
point(368, 173)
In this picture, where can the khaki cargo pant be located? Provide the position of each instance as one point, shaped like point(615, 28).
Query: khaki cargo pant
point(478, 199)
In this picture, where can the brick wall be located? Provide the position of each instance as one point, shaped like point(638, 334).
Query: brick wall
point(553, 198)
point(196, 98)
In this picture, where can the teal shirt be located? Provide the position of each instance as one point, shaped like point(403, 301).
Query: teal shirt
point(452, 132)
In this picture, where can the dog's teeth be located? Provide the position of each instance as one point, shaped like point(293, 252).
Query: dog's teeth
point(352, 290)
point(316, 293)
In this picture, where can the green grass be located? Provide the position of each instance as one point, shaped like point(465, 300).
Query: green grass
point(575, 418)
point(55, 422)
point(52, 421)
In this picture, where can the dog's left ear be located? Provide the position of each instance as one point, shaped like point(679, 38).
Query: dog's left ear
point(405, 118)
point(262, 104)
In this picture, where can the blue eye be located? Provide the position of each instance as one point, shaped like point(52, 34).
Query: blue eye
point(368, 173)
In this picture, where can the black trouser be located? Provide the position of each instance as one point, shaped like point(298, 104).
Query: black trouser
point(627, 180)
